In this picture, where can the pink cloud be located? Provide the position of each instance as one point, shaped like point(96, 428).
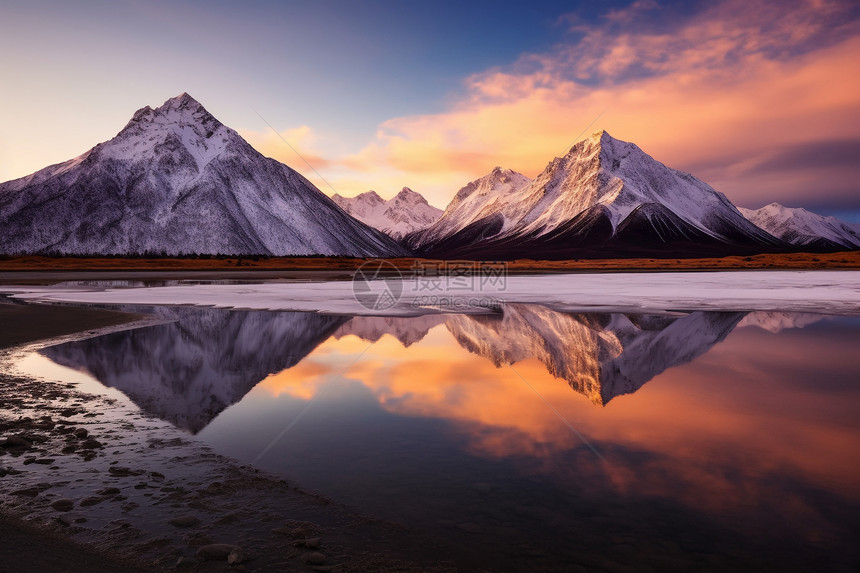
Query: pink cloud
point(720, 93)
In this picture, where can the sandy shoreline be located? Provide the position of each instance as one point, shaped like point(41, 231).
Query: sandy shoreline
point(86, 478)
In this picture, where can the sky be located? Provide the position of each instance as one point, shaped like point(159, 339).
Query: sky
point(759, 99)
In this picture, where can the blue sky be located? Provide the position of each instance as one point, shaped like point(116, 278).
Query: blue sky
point(385, 94)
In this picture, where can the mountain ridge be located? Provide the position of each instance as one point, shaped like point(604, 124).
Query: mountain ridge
point(803, 228)
point(576, 206)
point(175, 180)
point(406, 212)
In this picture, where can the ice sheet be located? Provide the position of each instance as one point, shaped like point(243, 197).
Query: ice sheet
point(836, 292)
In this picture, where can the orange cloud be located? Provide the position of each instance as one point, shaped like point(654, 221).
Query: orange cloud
point(291, 146)
point(721, 95)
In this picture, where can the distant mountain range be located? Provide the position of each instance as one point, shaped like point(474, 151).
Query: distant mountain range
point(804, 228)
point(177, 181)
point(404, 213)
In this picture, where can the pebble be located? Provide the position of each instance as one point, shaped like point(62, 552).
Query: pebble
point(315, 558)
point(88, 501)
point(63, 505)
point(216, 551)
point(313, 543)
point(17, 442)
point(185, 521)
point(124, 472)
point(93, 445)
point(108, 491)
point(236, 556)
point(45, 461)
point(81, 433)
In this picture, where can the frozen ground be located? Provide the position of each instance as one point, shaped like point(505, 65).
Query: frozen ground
point(836, 292)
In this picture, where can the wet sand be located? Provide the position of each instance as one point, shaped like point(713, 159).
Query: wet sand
point(86, 478)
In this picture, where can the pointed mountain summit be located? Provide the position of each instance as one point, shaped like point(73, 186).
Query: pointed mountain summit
point(176, 180)
point(406, 212)
point(605, 197)
point(804, 228)
point(481, 208)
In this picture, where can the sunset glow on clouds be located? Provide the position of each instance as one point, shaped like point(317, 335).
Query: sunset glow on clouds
point(761, 99)
point(758, 101)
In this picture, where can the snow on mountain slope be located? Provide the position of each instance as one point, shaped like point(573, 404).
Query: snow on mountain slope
point(622, 179)
point(803, 228)
point(176, 180)
point(191, 369)
point(585, 199)
point(600, 355)
point(485, 198)
point(404, 213)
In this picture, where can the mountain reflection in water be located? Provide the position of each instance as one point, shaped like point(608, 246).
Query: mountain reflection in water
point(740, 453)
point(188, 371)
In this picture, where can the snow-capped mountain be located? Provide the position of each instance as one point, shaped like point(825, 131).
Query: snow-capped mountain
point(404, 213)
point(605, 197)
point(804, 228)
point(483, 205)
point(176, 180)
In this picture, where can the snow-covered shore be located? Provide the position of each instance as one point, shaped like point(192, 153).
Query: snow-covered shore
point(836, 292)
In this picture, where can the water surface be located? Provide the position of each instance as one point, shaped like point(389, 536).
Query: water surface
point(530, 438)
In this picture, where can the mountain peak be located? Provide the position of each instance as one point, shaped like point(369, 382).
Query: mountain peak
point(177, 180)
point(181, 102)
point(407, 194)
point(404, 213)
point(603, 141)
point(180, 109)
point(371, 196)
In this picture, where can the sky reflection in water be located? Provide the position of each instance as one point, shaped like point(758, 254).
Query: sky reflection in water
point(718, 433)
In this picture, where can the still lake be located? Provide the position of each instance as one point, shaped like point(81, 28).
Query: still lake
point(528, 439)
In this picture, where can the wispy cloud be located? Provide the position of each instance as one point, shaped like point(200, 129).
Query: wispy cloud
point(723, 92)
